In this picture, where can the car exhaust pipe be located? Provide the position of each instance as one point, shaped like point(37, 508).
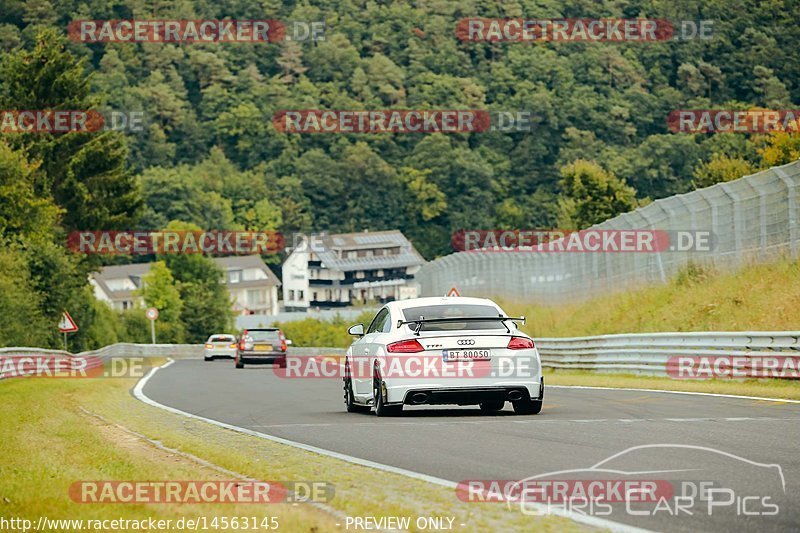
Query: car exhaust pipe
point(419, 398)
point(515, 395)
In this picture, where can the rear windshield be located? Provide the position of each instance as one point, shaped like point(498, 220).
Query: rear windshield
point(271, 336)
point(454, 311)
point(221, 338)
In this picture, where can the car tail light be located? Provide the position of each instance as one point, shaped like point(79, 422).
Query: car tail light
point(520, 343)
point(241, 340)
point(209, 345)
point(409, 346)
point(283, 345)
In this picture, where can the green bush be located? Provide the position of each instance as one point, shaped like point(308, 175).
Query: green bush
point(323, 333)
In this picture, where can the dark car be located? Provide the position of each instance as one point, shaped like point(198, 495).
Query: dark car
point(262, 345)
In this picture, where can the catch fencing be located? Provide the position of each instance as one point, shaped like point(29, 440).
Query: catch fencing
point(752, 219)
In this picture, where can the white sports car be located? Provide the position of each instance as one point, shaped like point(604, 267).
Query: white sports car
point(434, 351)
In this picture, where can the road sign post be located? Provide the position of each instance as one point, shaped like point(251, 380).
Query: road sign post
point(152, 315)
point(66, 325)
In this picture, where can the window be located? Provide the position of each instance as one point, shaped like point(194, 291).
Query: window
point(221, 338)
point(300, 295)
point(235, 276)
point(379, 322)
point(291, 294)
point(455, 311)
point(256, 297)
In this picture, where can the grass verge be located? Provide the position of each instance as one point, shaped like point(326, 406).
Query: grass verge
point(48, 442)
point(759, 297)
point(766, 388)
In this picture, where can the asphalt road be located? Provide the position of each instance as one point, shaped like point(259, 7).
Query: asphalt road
point(717, 442)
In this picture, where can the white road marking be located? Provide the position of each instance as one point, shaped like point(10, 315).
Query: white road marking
point(779, 400)
point(138, 393)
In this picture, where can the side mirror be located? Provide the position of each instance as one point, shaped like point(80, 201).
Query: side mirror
point(356, 330)
point(288, 342)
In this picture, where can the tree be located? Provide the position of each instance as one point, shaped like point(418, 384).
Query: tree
point(719, 169)
point(592, 195)
point(780, 148)
point(84, 172)
point(159, 290)
point(206, 307)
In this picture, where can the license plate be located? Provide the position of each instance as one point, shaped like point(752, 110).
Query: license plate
point(263, 347)
point(466, 355)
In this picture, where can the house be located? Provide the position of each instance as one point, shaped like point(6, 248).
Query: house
point(328, 271)
point(252, 286)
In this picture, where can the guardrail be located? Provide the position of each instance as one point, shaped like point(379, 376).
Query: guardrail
point(123, 349)
point(640, 353)
point(649, 353)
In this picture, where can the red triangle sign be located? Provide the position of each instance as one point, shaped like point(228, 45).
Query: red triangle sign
point(452, 292)
point(66, 324)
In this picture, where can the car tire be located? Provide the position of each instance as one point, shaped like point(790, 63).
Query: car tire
point(239, 362)
point(349, 399)
point(490, 407)
point(381, 409)
point(528, 407)
point(207, 359)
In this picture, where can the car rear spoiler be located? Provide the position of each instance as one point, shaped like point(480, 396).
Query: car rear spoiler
point(422, 320)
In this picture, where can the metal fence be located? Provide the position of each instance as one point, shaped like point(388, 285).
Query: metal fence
point(128, 350)
point(752, 219)
point(745, 353)
point(722, 354)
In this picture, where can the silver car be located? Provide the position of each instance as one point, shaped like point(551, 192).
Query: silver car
point(220, 345)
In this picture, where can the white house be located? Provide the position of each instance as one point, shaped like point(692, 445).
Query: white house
point(252, 286)
point(329, 271)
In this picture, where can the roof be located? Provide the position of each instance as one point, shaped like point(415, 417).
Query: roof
point(440, 300)
point(109, 273)
point(134, 270)
point(235, 262)
point(332, 244)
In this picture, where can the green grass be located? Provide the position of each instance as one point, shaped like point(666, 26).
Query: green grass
point(47, 443)
point(759, 297)
point(765, 388)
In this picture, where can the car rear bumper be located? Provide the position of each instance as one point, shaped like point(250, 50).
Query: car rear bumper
point(466, 394)
point(262, 357)
point(219, 352)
